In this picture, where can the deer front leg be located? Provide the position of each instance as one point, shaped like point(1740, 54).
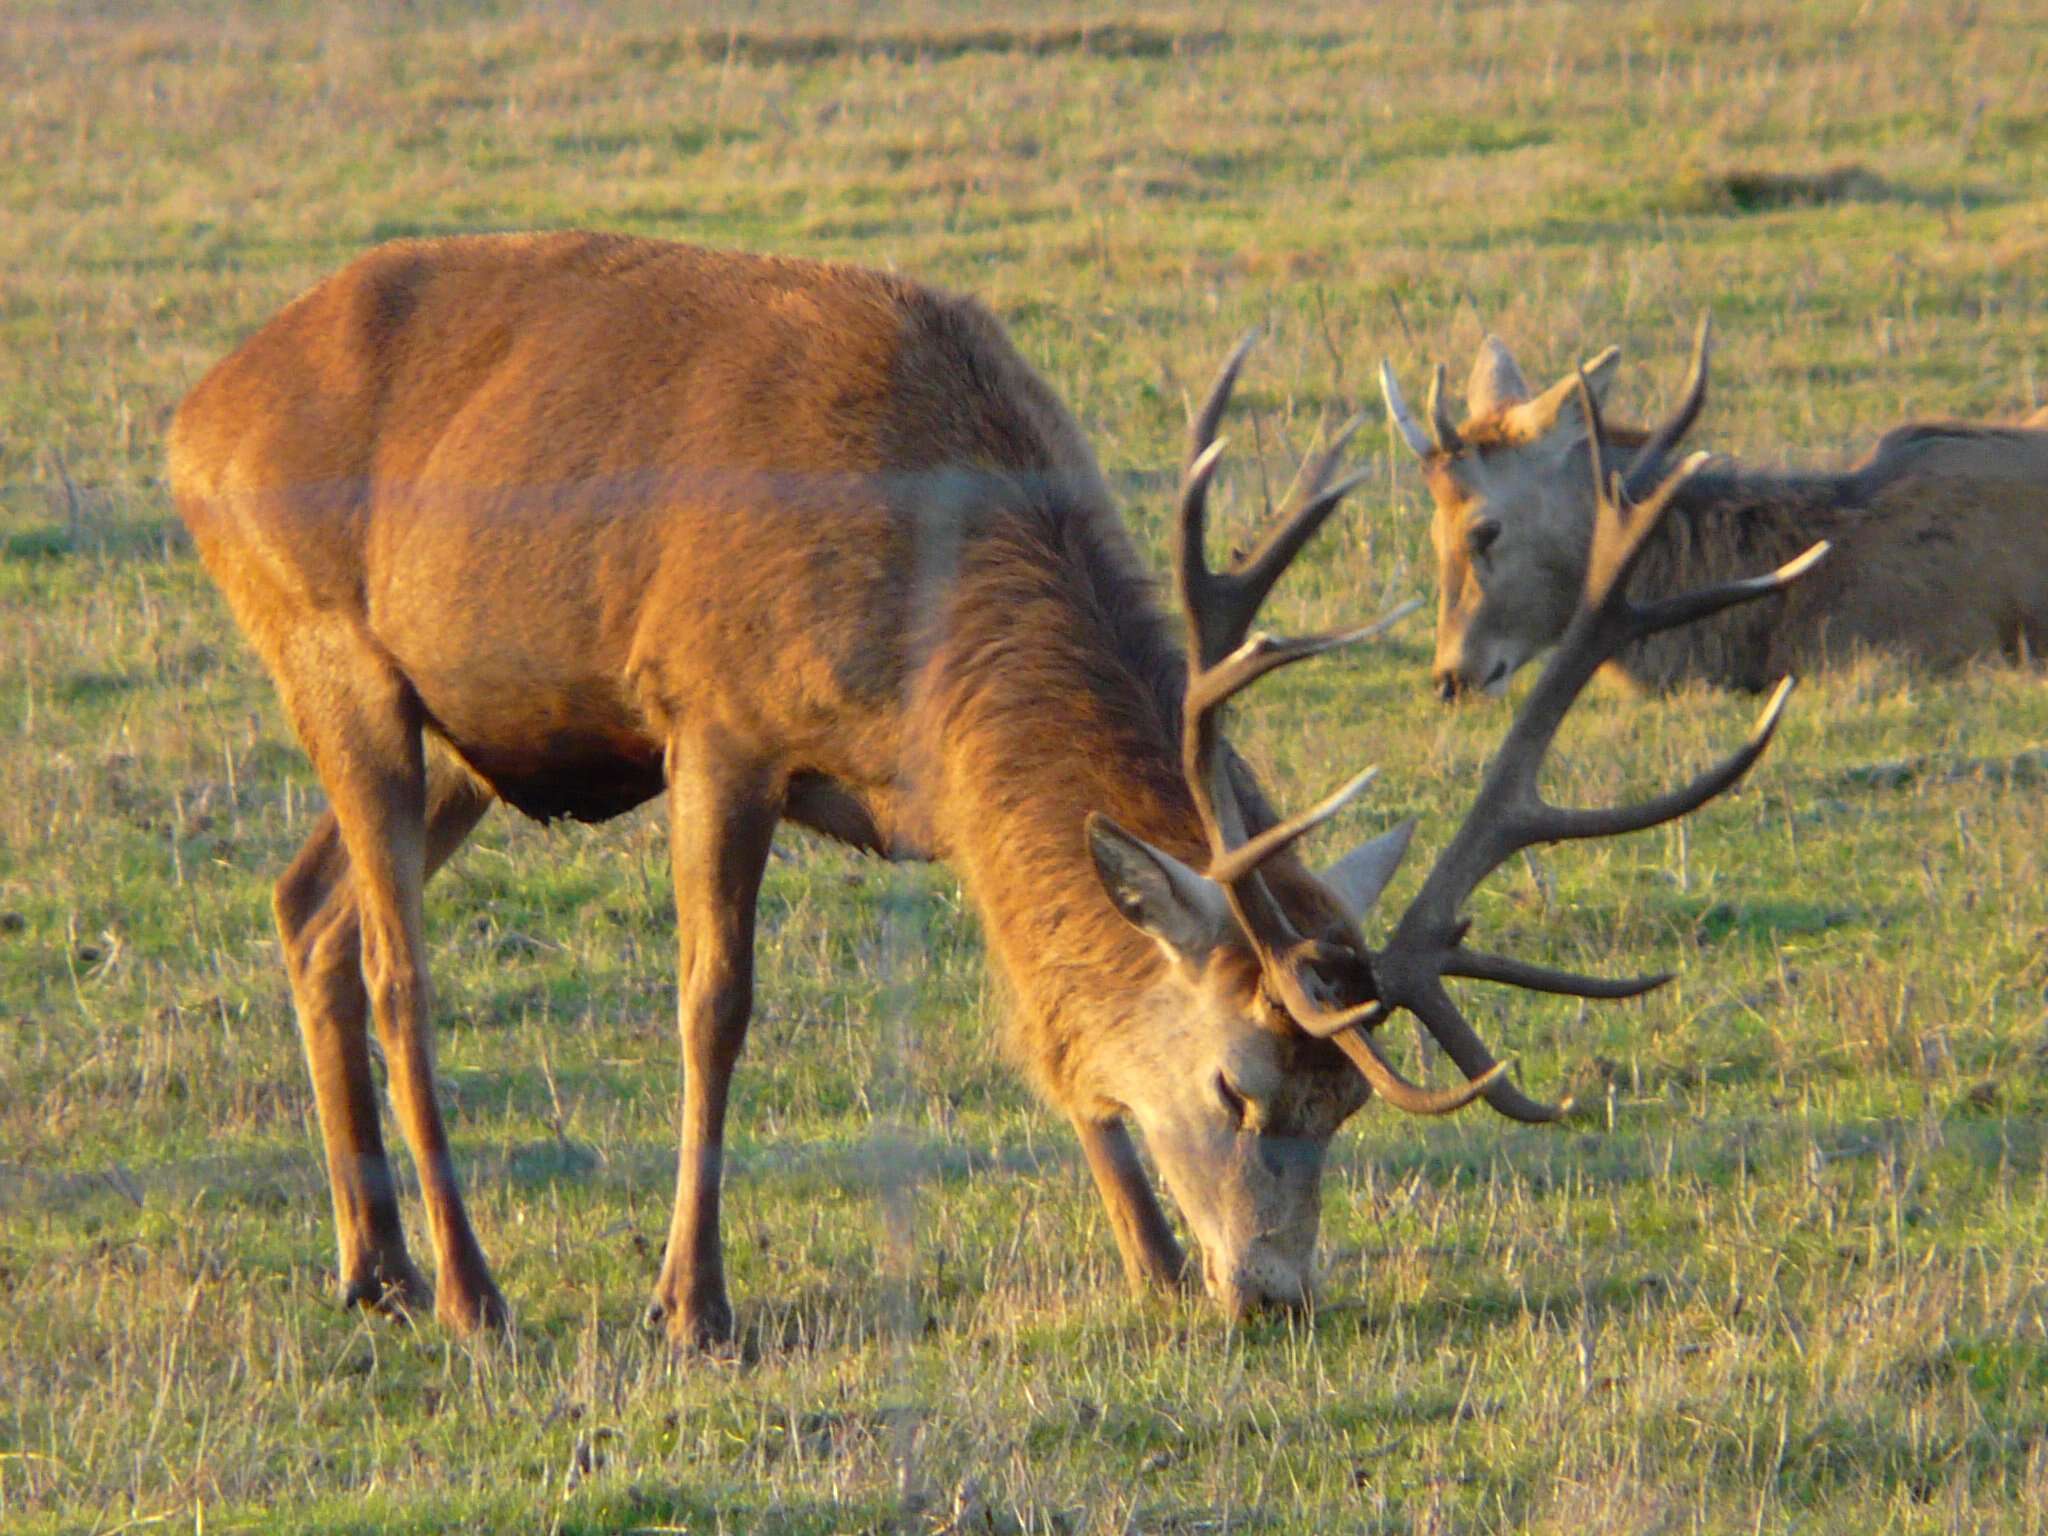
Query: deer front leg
point(722, 817)
point(1152, 1256)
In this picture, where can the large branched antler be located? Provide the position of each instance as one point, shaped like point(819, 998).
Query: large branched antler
point(1509, 813)
point(1226, 657)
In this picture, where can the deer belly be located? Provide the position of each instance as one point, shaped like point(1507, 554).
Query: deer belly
point(584, 778)
point(548, 751)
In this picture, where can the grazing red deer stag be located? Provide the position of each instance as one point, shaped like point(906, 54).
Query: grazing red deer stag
point(569, 519)
point(1940, 537)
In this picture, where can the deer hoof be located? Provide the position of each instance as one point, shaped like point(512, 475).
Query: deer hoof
point(474, 1310)
point(703, 1329)
point(393, 1288)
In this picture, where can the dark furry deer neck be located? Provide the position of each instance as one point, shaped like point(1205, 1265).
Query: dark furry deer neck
point(1724, 526)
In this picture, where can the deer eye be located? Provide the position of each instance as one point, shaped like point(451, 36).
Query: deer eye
point(1480, 536)
point(1233, 1102)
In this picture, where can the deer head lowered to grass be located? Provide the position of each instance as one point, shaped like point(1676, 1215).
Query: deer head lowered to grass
point(1940, 535)
point(569, 520)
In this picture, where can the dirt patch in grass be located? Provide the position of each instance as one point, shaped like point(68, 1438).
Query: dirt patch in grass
point(1749, 189)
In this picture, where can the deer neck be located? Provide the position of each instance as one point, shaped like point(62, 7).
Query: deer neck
point(1055, 692)
point(1725, 527)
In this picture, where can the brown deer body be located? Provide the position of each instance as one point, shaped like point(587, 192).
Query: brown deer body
point(1940, 540)
point(569, 520)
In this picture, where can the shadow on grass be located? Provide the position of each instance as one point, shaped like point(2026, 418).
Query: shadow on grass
point(1540, 1161)
point(599, 1507)
point(1572, 1305)
point(863, 1161)
point(1761, 189)
point(279, 1178)
point(99, 532)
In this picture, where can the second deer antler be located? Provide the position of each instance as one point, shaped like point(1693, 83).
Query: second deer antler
point(1508, 814)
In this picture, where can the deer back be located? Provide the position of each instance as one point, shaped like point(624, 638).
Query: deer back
point(577, 485)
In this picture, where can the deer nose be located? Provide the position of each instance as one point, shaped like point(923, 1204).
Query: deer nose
point(1448, 685)
point(1258, 1281)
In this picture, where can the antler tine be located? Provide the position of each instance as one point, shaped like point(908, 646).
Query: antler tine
point(1398, 413)
point(1351, 1029)
point(1317, 465)
point(1221, 605)
point(1596, 435)
point(1202, 426)
point(1621, 525)
point(1216, 625)
point(1647, 467)
point(1558, 824)
point(1481, 966)
point(1621, 532)
point(1249, 855)
point(1309, 501)
point(1253, 579)
point(1440, 1016)
point(1357, 1043)
point(1670, 612)
point(1264, 653)
point(1442, 430)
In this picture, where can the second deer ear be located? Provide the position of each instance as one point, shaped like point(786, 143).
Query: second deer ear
point(1496, 383)
point(1180, 908)
point(1558, 406)
point(1360, 876)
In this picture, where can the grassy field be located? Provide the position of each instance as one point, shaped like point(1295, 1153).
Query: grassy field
point(1791, 1275)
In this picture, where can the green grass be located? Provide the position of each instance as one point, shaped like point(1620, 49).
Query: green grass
point(1790, 1276)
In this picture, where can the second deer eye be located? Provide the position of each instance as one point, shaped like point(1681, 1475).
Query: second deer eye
point(1232, 1101)
point(1480, 536)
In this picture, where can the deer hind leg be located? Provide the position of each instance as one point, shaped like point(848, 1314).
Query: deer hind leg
point(316, 922)
point(1152, 1256)
point(363, 727)
point(722, 818)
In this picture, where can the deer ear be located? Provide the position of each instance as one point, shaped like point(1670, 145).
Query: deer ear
point(1361, 875)
point(1600, 373)
point(1495, 382)
point(1559, 404)
point(1181, 909)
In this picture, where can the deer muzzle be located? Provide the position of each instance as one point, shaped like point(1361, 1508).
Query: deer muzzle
point(1261, 1278)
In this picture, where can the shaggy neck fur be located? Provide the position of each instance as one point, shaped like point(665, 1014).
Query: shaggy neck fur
point(1057, 692)
point(1723, 527)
